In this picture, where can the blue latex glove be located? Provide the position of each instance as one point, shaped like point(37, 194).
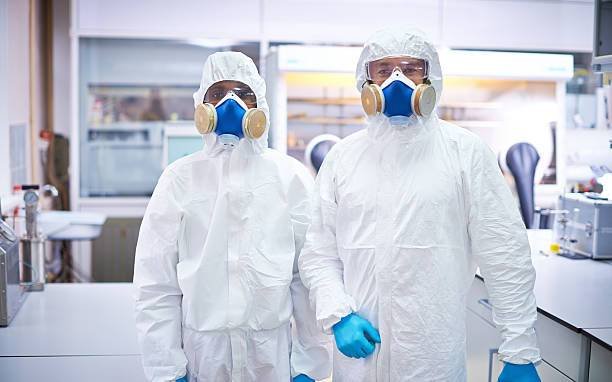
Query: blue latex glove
point(182, 379)
point(355, 336)
point(302, 378)
point(519, 373)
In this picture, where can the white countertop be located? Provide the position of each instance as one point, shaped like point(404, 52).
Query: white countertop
point(577, 292)
point(73, 319)
point(603, 336)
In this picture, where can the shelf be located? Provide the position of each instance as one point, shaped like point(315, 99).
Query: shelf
point(123, 145)
point(327, 120)
point(471, 105)
point(357, 101)
point(468, 124)
point(296, 148)
point(327, 101)
point(126, 126)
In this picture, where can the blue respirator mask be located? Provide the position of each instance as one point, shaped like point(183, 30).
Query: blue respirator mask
point(398, 96)
point(231, 119)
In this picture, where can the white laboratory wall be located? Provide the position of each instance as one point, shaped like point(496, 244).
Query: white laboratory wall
point(4, 131)
point(61, 65)
point(540, 25)
point(14, 86)
point(18, 61)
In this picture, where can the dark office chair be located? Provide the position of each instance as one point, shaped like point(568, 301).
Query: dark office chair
point(318, 148)
point(522, 159)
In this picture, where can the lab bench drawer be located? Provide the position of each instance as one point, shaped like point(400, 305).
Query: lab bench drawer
point(482, 343)
point(600, 369)
point(483, 364)
point(478, 301)
point(560, 347)
point(550, 374)
point(72, 368)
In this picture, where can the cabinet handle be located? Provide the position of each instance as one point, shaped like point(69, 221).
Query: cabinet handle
point(485, 302)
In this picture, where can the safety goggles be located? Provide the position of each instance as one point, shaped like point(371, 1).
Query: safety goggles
point(218, 90)
point(379, 70)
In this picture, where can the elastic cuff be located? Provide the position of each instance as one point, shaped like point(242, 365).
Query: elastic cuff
point(519, 359)
point(327, 323)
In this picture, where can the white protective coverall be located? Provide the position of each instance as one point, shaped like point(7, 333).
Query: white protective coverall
point(402, 215)
point(216, 262)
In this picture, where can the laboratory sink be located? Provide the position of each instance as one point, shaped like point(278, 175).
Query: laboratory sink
point(71, 225)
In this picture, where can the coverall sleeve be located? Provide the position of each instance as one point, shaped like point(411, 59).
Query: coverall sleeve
point(311, 349)
point(499, 243)
point(158, 296)
point(321, 269)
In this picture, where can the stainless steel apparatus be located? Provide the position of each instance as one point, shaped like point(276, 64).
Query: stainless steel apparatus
point(585, 226)
point(32, 244)
point(12, 293)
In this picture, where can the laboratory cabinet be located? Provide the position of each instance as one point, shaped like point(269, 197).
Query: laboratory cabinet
point(483, 364)
point(562, 349)
point(73, 368)
point(131, 94)
point(600, 367)
point(482, 342)
point(543, 25)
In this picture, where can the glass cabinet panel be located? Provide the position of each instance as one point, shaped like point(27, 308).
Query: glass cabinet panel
point(131, 92)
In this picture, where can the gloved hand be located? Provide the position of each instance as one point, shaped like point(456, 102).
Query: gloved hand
point(519, 373)
point(355, 336)
point(182, 379)
point(302, 378)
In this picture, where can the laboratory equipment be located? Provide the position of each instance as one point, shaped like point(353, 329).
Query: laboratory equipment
point(585, 226)
point(32, 250)
point(12, 294)
point(602, 41)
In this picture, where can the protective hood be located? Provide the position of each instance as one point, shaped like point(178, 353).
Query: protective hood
point(233, 66)
point(396, 42)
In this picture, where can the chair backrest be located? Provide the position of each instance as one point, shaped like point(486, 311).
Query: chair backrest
point(318, 148)
point(522, 159)
point(319, 152)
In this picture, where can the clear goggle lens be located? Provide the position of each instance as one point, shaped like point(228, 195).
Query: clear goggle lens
point(218, 90)
point(379, 70)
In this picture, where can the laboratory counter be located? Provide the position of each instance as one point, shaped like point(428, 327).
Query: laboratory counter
point(601, 336)
point(575, 293)
point(76, 332)
point(73, 332)
point(574, 299)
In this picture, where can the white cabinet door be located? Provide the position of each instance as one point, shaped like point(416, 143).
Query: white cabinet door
point(482, 343)
point(204, 19)
point(560, 346)
point(518, 25)
point(601, 364)
point(344, 21)
point(550, 374)
point(72, 369)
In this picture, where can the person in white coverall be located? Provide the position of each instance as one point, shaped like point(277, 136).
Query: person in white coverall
point(216, 262)
point(403, 212)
